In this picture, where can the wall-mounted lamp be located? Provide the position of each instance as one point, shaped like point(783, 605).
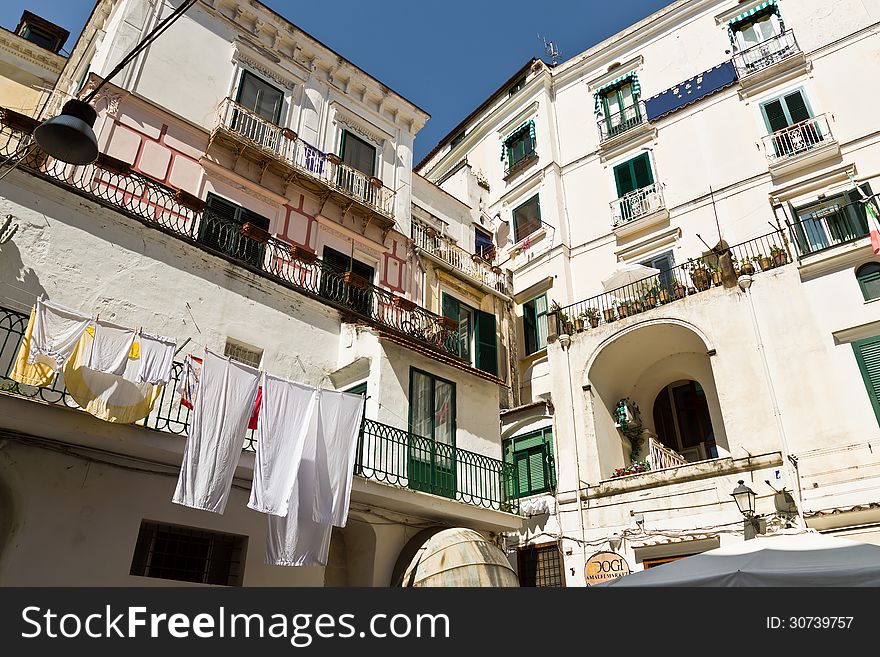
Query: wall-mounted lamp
point(615, 541)
point(564, 340)
point(745, 501)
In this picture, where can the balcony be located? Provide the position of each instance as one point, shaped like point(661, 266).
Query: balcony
point(800, 146)
point(830, 227)
point(384, 454)
point(645, 206)
point(183, 216)
point(471, 265)
point(280, 149)
point(668, 286)
point(624, 130)
point(769, 63)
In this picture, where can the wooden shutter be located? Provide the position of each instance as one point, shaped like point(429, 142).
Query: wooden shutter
point(775, 115)
point(623, 176)
point(642, 171)
point(797, 107)
point(486, 343)
point(868, 358)
point(530, 327)
point(451, 307)
point(537, 469)
point(521, 462)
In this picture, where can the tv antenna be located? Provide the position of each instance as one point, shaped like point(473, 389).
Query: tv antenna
point(551, 50)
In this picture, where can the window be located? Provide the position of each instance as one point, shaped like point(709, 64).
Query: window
point(41, 38)
point(477, 334)
point(621, 107)
point(664, 262)
point(633, 175)
point(431, 466)
point(517, 86)
point(526, 219)
point(483, 245)
point(535, 324)
point(532, 458)
point(540, 566)
point(260, 97)
point(243, 353)
point(520, 146)
point(869, 280)
point(868, 358)
point(653, 563)
point(358, 154)
point(187, 554)
point(831, 221)
point(756, 29)
point(457, 139)
point(335, 287)
point(220, 229)
point(785, 111)
point(788, 119)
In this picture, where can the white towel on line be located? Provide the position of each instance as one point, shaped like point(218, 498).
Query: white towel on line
point(56, 332)
point(157, 358)
point(339, 423)
point(285, 415)
point(227, 391)
point(110, 348)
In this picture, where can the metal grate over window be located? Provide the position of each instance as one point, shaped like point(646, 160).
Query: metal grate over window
point(187, 554)
point(243, 353)
point(540, 566)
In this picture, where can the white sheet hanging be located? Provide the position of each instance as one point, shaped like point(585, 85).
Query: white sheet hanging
point(56, 332)
point(227, 390)
point(285, 416)
point(339, 423)
point(110, 349)
point(157, 358)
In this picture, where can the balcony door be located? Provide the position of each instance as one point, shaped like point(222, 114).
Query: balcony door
point(359, 156)
point(335, 288)
point(621, 109)
point(757, 31)
point(266, 102)
point(841, 218)
point(220, 229)
point(683, 423)
point(431, 462)
point(782, 114)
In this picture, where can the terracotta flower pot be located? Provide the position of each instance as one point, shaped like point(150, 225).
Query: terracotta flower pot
point(747, 269)
point(402, 303)
point(650, 301)
point(303, 255)
point(716, 278)
point(608, 313)
point(288, 134)
point(113, 165)
point(375, 182)
point(333, 158)
point(594, 322)
point(780, 259)
point(254, 232)
point(188, 200)
point(447, 322)
point(765, 263)
point(355, 281)
point(679, 291)
point(664, 296)
point(701, 279)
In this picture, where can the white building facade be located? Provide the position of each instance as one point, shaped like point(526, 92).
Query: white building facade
point(253, 197)
point(694, 285)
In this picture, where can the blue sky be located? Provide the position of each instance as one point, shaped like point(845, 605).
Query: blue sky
point(446, 57)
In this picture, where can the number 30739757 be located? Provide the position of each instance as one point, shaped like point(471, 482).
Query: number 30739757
point(809, 622)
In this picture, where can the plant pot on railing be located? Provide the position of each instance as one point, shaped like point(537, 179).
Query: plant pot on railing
point(679, 291)
point(20, 122)
point(716, 277)
point(746, 269)
point(355, 281)
point(334, 159)
point(402, 303)
point(700, 277)
point(288, 134)
point(608, 314)
point(113, 165)
point(255, 233)
point(376, 182)
point(496, 270)
point(780, 257)
point(447, 323)
point(302, 254)
point(188, 200)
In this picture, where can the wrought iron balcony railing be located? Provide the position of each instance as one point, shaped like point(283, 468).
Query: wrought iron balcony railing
point(660, 456)
point(186, 218)
point(829, 227)
point(694, 276)
point(622, 121)
point(286, 146)
point(385, 454)
point(637, 204)
point(797, 139)
point(471, 264)
point(765, 54)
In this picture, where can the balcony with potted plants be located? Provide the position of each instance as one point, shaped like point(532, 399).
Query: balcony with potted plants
point(281, 151)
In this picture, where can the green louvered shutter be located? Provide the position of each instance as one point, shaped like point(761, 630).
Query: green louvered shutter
point(642, 171)
point(537, 469)
point(868, 358)
point(775, 115)
point(521, 463)
point(797, 107)
point(487, 343)
point(623, 176)
point(451, 307)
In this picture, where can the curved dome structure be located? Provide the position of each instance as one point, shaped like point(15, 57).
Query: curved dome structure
point(458, 557)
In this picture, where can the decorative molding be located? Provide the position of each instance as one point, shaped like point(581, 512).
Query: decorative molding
point(24, 49)
point(288, 83)
point(530, 111)
point(733, 12)
point(364, 244)
point(632, 65)
point(344, 117)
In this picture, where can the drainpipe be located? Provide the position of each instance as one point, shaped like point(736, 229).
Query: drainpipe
point(790, 462)
point(565, 342)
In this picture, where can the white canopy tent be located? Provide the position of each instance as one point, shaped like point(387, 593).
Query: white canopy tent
point(785, 559)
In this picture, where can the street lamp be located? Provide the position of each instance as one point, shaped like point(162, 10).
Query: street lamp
point(745, 502)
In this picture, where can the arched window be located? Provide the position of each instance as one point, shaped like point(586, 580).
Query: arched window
point(869, 280)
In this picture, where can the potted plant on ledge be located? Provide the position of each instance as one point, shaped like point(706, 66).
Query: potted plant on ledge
point(592, 316)
point(780, 257)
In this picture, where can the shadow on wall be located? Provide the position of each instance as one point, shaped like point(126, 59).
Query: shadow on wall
point(19, 285)
point(7, 516)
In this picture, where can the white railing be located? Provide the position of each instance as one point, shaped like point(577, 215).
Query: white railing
point(637, 204)
point(285, 145)
point(765, 54)
point(660, 456)
point(798, 138)
point(623, 121)
point(452, 254)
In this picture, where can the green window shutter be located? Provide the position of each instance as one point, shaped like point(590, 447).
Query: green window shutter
point(487, 346)
point(869, 281)
point(623, 176)
point(530, 327)
point(868, 358)
point(774, 114)
point(642, 171)
point(797, 107)
point(537, 470)
point(521, 463)
point(451, 307)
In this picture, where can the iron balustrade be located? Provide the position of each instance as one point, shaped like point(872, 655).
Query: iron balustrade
point(669, 285)
point(623, 121)
point(157, 205)
point(660, 456)
point(796, 139)
point(829, 227)
point(476, 267)
point(637, 204)
point(765, 54)
point(285, 145)
point(385, 454)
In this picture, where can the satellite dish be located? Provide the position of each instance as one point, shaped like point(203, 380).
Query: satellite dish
point(502, 233)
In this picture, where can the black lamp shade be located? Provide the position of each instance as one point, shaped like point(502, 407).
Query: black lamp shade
point(744, 498)
point(69, 137)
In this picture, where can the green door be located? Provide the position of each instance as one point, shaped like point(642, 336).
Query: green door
point(431, 455)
